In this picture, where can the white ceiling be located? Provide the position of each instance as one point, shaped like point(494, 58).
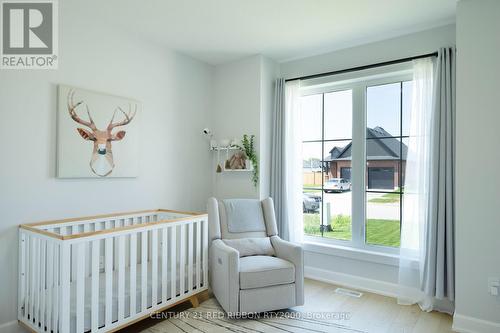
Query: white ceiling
point(218, 31)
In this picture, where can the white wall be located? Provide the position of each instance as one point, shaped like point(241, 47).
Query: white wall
point(243, 105)
point(478, 116)
point(177, 99)
point(401, 47)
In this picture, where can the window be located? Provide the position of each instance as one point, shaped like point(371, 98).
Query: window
point(354, 144)
point(330, 114)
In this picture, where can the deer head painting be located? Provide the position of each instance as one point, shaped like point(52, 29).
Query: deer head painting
point(91, 145)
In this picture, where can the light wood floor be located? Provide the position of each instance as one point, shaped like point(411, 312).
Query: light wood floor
point(373, 313)
point(369, 314)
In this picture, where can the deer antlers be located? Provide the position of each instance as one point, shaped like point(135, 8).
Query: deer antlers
point(72, 112)
point(128, 117)
point(72, 106)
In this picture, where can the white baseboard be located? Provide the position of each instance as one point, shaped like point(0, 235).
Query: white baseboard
point(12, 327)
point(352, 281)
point(466, 324)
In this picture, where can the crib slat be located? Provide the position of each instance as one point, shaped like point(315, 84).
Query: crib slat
point(190, 257)
point(205, 253)
point(94, 314)
point(198, 254)
point(64, 295)
point(88, 257)
point(35, 278)
point(74, 258)
point(144, 270)
point(22, 276)
point(109, 280)
point(115, 224)
point(154, 267)
point(42, 290)
point(182, 260)
point(133, 274)
point(36, 314)
point(55, 292)
point(27, 276)
point(50, 284)
point(164, 267)
point(80, 286)
point(173, 262)
point(121, 277)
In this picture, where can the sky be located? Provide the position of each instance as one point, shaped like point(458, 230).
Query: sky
point(383, 104)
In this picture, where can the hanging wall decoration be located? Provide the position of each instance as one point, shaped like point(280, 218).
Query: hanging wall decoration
point(97, 135)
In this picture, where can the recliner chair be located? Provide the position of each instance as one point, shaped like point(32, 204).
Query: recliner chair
point(251, 268)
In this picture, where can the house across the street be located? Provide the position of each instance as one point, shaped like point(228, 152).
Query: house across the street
point(385, 157)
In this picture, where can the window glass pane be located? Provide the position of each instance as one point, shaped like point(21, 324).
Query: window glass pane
point(337, 211)
point(311, 206)
point(382, 164)
point(337, 188)
point(383, 219)
point(311, 110)
point(407, 97)
point(383, 109)
point(338, 115)
point(311, 164)
point(337, 159)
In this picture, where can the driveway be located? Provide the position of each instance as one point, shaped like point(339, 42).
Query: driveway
point(340, 204)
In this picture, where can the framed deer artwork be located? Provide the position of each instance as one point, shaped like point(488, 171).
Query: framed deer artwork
point(97, 134)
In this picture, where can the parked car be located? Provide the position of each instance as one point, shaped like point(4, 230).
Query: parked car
point(337, 185)
point(311, 202)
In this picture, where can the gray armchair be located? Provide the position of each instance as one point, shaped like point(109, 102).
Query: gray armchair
point(251, 268)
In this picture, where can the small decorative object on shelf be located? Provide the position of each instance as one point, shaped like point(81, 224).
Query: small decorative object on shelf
point(244, 159)
point(238, 161)
point(247, 146)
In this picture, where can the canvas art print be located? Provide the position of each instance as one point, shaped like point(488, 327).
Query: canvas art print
point(97, 134)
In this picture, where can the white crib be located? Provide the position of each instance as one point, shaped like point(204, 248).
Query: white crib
point(102, 273)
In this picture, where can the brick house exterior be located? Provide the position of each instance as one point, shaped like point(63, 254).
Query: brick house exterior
point(384, 165)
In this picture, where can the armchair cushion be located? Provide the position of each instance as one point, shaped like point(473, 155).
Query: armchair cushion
point(265, 271)
point(251, 246)
point(224, 224)
point(244, 215)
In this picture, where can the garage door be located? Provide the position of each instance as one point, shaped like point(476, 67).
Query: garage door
point(345, 173)
point(381, 178)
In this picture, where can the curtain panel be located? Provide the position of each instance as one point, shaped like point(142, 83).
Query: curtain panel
point(426, 270)
point(286, 162)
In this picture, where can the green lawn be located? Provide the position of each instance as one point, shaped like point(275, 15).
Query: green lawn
point(313, 186)
point(380, 232)
point(386, 198)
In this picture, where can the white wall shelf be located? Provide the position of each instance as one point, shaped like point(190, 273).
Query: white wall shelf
point(237, 170)
point(224, 148)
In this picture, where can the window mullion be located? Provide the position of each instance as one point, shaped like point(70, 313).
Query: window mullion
point(322, 164)
point(358, 165)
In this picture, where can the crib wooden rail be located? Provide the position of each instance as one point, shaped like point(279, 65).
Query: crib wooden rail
point(100, 273)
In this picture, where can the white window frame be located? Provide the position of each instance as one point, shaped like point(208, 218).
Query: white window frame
point(358, 82)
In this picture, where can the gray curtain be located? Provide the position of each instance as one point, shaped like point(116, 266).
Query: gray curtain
point(438, 278)
point(278, 184)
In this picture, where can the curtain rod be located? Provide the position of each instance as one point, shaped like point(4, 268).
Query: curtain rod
point(380, 64)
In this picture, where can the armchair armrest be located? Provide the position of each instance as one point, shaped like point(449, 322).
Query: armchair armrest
point(224, 272)
point(295, 254)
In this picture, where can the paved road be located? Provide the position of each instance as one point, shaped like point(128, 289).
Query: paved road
point(340, 203)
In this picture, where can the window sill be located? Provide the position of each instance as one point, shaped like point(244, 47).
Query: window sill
point(312, 244)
